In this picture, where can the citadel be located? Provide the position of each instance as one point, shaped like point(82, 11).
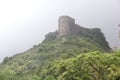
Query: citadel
point(68, 27)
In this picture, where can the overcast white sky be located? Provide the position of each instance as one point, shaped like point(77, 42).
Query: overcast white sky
point(24, 23)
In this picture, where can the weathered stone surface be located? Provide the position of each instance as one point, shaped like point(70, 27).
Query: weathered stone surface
point(52, 34)
point(67, 27)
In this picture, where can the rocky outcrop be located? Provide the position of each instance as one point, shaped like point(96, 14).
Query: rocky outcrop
point(52, 35)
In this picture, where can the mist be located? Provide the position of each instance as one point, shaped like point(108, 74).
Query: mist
point(24, 23)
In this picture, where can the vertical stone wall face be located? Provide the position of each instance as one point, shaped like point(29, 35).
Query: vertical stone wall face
point(65, 25)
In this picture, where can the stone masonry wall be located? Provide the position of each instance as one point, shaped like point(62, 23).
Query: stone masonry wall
point(65, 25)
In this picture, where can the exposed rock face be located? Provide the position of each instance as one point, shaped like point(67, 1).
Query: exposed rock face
point(52, 35)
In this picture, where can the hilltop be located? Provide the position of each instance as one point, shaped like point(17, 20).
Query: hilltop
point(68, 28)
point(70, 53)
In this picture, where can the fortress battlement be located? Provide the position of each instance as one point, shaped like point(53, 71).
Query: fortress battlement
point(68, 27)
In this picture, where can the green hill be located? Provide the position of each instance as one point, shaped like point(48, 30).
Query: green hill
point(29, 63)
point(84, 56)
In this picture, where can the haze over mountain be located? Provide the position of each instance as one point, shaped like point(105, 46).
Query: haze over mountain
point(24, 23)
point(72, 52)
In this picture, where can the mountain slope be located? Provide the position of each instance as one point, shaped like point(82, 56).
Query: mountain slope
point(89, 66)
point(34, 64)
point(47, 51)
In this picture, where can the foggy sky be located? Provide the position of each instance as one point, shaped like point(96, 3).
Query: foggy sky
point(24, 23)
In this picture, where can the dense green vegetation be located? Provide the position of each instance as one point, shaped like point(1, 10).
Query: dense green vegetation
point(81, 57)
point(89, 66)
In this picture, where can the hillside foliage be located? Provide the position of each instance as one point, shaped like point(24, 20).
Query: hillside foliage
point(81, 57)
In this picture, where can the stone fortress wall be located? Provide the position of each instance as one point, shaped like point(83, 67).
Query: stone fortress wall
point(67, 27)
